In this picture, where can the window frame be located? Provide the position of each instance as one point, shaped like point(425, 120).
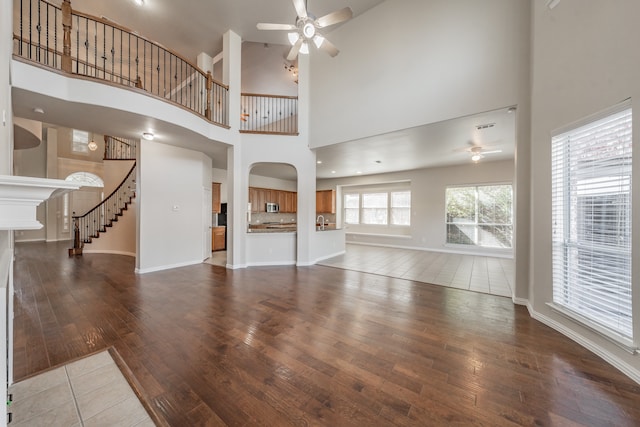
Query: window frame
point(570, 237)
point(360, 191)
point(475, 223)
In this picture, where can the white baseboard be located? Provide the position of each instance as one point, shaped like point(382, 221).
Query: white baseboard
point(166, 267)
point(630, 371)
point(30, 240)
point(106, 251)
point(521, 301)
point(328, 256)
point(235, 266)
point(270, 263)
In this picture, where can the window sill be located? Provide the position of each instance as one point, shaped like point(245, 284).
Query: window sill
point(622, 342)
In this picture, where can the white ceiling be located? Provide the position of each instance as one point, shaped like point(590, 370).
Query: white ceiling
point(200, 27)
point(193, 26)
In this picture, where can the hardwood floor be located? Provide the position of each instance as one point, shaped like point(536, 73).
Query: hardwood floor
point(310, 346)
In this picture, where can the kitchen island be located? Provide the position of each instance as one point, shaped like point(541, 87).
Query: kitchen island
point(276, 244)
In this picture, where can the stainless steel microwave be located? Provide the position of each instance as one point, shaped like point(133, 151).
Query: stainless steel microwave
point(273, 207)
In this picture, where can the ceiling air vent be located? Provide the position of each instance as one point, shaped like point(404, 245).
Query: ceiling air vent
point(485, 126)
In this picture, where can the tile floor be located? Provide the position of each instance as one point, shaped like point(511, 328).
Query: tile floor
point(217, 258)
point(88, 392)
point(488, 275)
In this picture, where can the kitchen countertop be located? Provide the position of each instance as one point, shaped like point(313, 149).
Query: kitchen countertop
point(284, 227)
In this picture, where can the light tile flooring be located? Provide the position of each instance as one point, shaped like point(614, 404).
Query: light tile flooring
point(217, 258)
point(488, 275)
point(89, 392)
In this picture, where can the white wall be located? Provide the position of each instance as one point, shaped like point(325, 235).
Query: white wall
point(263, 70)
point(428, 186)
point(171, 183)
point(584, 60)
point(411, 62)
point(272, 183)
point(32, 162)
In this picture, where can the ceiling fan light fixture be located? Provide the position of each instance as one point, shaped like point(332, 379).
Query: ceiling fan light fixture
point(317, 40)
point(293, 38)
point(308, 30)
point(476, 157)
point(304, 48)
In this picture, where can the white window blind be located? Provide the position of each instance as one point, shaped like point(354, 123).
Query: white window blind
point(591, 214)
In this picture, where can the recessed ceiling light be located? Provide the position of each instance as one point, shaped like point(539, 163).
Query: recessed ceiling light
point(148, 136)
point(38, 110)
point(358, 172)
point(511, 110)
point(139, 2)
point(333, 171)
point(319, 162)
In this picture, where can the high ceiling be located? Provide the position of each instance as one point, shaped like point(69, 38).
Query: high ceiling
point(194, 26)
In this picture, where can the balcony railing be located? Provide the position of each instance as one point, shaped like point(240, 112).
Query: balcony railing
point(81, 44)
point(270, 114)
point(119, 148)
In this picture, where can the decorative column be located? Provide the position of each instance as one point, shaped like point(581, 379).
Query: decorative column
point(66, 41)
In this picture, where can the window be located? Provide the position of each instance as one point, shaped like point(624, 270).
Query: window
point(401, 208)
point(80, 141)
point(480, 215)
point(86, 179)
point(591, 213)
point(375, 206)
point(352, 208)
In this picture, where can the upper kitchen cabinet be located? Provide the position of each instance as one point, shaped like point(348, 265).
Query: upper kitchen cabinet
point(259, 197)
point(215, 197)
point(326, 201)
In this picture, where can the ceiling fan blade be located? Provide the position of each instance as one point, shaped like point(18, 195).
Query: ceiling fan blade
point(491, 152)
point(301, 9)
point(334, 17)
point(264, 26)
point(294, 50)
point(329, 47)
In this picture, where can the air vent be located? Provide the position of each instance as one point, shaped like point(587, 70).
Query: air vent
point(485, 126)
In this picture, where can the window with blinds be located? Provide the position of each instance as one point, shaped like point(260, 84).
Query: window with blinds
point(591, 213)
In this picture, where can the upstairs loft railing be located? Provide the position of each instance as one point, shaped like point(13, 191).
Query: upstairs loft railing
point(97, 220)
point(270, 114)
point(81, 44)
point(119, 148)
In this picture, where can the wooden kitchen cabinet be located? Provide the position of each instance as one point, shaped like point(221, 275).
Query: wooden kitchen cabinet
point(259, 197)
point(218, 238)
point(326, 201)
point(215, 197)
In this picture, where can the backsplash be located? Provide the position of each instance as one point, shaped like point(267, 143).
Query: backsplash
point(262, 217)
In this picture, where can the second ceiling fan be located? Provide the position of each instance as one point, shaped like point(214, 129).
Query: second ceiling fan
point(307, 29)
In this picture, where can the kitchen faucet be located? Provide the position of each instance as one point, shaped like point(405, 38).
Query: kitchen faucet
point(321, 223)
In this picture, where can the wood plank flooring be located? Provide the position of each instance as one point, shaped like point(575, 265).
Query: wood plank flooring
point(312, 346)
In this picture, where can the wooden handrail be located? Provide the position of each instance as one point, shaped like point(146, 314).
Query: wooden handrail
point(133, 168)
point(99, 48)
point(134, 33)
point(269, 96)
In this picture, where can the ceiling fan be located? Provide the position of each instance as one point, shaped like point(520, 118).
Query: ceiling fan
point(307, 29)
point(478, 153)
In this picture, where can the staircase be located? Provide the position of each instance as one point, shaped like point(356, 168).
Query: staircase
point(103, 216)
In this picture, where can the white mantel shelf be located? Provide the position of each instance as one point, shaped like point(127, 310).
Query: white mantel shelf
point(21, 195)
